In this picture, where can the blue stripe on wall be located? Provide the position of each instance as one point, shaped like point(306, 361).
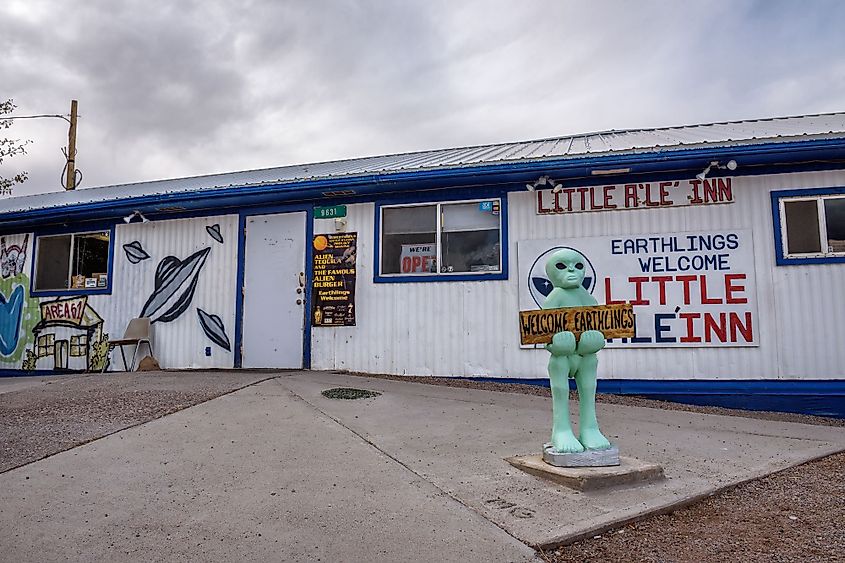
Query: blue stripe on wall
point(807, 396)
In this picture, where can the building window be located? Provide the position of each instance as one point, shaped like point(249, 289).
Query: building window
point(813, 227)
point(79, 345)
point(441, 240)
point(77, 261)
point(45, 345)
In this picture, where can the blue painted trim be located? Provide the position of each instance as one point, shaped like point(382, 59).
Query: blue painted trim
point(309, 262)
point(780, 255)
point(239, 290)
point(66, 231)
point(5, 372)
point(453, 195)
point(309, 251)
point(752, 158)
point(819, 397)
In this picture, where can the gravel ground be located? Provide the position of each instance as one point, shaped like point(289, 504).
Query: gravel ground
point(60, 412)
point(793, 515)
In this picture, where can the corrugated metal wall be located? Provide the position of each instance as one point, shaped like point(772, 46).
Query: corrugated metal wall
point(182, 341)
point(470, 329)
point(162, 246)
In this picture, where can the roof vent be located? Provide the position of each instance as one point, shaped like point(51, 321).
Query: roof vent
point(339, 193)
point(171, 209)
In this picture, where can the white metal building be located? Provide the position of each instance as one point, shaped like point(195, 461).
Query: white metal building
point(728, 238)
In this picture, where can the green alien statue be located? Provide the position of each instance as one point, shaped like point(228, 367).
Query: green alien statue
point(571, 358)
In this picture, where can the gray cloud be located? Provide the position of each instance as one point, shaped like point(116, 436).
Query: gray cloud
point(189, 88)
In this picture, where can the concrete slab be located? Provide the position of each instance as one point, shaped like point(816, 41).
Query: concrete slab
point(630, 471)
point(458, 438)
point(255, 475)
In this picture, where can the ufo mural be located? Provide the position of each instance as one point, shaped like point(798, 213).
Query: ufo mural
point(214, 232)
point(175, 283)
point(135, 252)
point(213, 328)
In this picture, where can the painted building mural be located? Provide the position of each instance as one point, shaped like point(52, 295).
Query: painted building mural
point(181, 273)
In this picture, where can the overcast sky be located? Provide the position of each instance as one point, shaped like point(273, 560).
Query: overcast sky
point(170, 89)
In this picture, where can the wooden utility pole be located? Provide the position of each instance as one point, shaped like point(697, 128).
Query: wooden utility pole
point(70, 179)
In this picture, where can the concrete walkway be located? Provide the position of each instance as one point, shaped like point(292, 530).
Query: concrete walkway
point(276, 471)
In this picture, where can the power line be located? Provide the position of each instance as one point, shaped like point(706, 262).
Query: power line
point(34, 117)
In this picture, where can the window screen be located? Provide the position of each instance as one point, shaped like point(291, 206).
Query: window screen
point(409, 236)
point(802, 227)
point(52, 271)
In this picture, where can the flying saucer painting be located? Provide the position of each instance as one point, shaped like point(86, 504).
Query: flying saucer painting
point(214, 232)
point(175, 283)
point(213, 328)
point(134, 252)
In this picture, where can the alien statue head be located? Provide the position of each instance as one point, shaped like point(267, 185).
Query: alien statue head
point(565, 268)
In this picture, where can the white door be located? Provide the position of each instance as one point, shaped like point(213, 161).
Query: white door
point(274, 296)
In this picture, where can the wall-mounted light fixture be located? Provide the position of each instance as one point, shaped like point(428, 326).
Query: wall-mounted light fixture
point(730, 165)
point(543, 181)
point(136, 213)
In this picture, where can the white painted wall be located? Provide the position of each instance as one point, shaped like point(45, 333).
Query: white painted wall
point(470, 328)
point(179, 343)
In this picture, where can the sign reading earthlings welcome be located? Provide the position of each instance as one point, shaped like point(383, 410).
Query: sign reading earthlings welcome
point(333, 280)
point(614, 321)
point(688, 289)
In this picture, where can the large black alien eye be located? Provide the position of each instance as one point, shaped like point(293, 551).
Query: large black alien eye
point(579, 265)
point(560, 266)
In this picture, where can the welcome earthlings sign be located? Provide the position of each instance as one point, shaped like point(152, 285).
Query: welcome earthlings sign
point(687, 289)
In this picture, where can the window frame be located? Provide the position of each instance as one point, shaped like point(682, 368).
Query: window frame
point(819, 196)
point(38, 235)
point(501, 274)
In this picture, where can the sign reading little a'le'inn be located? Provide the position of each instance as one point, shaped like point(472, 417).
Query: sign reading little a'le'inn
point(646, 195)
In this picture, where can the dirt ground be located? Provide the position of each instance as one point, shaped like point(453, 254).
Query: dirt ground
point(795, 515)
point(66, 411)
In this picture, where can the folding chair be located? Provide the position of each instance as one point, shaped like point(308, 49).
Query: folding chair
point(138, 331)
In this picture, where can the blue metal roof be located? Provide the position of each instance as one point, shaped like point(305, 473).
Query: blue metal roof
point(599, 146)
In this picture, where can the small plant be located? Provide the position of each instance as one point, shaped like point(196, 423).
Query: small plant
point(99, 360)
point(29, 361)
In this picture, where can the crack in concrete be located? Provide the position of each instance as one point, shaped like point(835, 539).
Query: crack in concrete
point(402, 463)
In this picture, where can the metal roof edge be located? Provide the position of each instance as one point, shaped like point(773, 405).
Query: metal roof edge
point(507, 172)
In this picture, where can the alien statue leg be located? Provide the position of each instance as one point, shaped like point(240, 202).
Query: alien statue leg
point(563, 439)
point(588, 426)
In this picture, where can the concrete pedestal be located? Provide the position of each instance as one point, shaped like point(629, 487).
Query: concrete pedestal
point(630, 471)
point(587, 458)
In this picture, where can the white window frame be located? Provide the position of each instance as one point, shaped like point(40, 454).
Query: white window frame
point(72, 236)
point(439, 229)
point(823, 243)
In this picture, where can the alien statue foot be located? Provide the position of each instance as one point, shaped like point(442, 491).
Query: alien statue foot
point(592, 439)
point(564, 441)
